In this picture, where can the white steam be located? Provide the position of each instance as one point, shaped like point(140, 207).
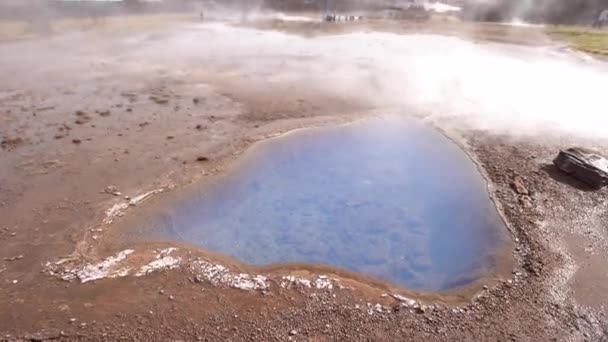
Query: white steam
point(494, 86)
point(507, 88)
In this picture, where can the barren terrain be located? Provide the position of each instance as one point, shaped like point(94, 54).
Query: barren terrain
point(100, 127)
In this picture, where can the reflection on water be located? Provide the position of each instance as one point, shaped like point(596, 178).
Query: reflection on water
point(389, 198)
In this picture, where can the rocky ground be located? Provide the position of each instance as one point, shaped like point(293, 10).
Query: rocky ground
point(96, 137)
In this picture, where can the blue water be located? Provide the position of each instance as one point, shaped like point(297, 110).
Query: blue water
point(390, 198)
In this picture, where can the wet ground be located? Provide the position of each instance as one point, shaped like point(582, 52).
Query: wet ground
point(154, 114)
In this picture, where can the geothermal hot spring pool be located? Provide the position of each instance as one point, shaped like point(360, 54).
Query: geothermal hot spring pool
point(389, 198)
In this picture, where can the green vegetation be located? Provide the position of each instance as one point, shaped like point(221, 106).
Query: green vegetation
point(583, 39)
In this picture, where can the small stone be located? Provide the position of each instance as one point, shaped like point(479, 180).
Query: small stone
point(72, 320)
point(293, 332)
point(112, 190)
point(519, 186)
point(10, 143)
point(159, 99)
point(199, 127)
point(169, 137)
point(161, 291)
point(76, 141)
point(202, 158)
point(526, 202)
point(104, 112)
point(82, 120)
point(171, 298)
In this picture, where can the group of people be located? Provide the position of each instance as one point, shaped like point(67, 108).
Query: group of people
point(335, 17)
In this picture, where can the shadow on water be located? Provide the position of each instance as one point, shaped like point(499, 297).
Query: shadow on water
point(393, 199)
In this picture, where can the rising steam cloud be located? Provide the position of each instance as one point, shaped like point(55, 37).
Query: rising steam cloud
point(492, 86)
point(502, 87)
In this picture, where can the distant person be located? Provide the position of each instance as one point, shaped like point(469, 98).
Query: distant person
point(602, 19)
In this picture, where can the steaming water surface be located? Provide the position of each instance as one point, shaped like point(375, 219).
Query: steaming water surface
point(389, 198)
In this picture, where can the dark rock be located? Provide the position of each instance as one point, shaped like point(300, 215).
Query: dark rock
point(584, 165)
point(11, 143)
point(76, 141)
point(159, 99)
point(202, 158)
point(82, 120)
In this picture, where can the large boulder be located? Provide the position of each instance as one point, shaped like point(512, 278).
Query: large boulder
point(585, 165)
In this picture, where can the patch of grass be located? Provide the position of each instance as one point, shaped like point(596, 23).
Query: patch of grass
point(583, 39)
